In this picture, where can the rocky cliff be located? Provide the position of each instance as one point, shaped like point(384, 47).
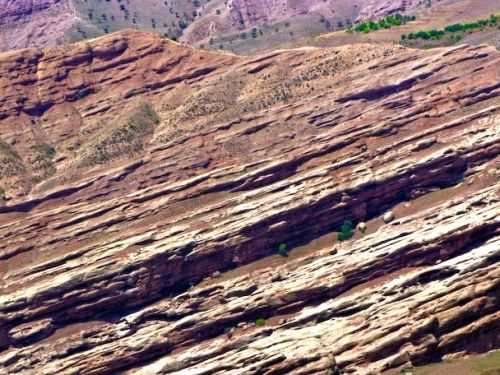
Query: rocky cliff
point(148, 188)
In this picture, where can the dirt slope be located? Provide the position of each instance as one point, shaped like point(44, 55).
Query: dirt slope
point(150, 187)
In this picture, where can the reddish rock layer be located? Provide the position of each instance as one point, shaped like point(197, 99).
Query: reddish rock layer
point(104, 264)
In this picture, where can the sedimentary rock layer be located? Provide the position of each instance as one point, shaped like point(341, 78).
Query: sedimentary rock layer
point(160, 258)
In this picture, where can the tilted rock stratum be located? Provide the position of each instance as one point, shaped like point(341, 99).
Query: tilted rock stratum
point(148, 187)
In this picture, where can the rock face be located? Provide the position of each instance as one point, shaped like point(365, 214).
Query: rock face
point(170, 165)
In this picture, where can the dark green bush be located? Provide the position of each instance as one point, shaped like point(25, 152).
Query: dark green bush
point(453, 28)
point(346, 231)
point(260, 322)
point(383, 23)
point(283, 249)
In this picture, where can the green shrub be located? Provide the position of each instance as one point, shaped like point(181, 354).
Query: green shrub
point(383, 23)
point(346, 231)
point(455, 28)
point(283, 249)
point(260, 322)
point(148, 110)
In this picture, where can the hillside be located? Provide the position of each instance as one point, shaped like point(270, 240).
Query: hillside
point(237, 25)
point(169, 210)
point(34, 23)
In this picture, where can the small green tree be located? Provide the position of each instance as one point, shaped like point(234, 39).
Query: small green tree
point(346, 231)
point(283, 249)
point(260, 322)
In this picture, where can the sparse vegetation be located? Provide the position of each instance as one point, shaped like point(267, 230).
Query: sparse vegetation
point(10, 162)
point(217, 101)
point(166, 18)
point(124, 137)
point(41, 161)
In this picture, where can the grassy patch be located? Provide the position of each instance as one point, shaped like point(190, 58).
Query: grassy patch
point(216, 102)
point(487, 365)
point(124, 137)
point(11, 163)
point(41, 161)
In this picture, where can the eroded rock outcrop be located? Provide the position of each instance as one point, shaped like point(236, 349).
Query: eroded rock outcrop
point(111, 270)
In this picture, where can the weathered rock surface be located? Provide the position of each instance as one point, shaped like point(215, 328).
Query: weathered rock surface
point(106, 265)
